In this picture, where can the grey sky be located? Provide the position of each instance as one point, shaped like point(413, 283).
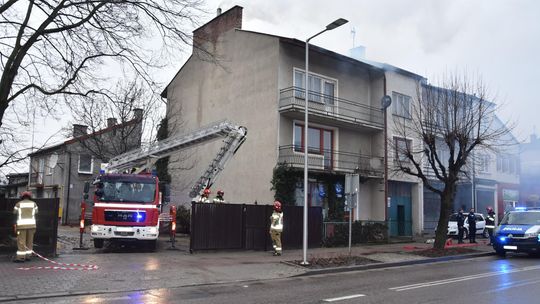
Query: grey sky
point(499, 40)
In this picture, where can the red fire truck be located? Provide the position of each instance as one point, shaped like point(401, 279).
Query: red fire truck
point(127, 206)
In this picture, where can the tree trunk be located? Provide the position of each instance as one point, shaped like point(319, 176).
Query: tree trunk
point(447, 199)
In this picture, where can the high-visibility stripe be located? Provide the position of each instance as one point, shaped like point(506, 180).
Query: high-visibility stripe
point(21, 252)
point(26, 221)
point(29, 252)
point(135, 206)
point(489, 226)
point(27, 205)
point(16, 208)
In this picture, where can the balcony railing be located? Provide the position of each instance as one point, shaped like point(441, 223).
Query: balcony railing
point(293, 98)
point(332, 160)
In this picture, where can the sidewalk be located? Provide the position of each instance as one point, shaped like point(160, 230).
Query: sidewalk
point(130, 269)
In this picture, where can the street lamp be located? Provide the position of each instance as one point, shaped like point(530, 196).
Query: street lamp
point(339, 22)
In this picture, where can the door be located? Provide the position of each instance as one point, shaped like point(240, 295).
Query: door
point(401, 220)
point(400, 210)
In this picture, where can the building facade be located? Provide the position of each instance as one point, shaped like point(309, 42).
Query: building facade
point(258, 81)
point(60, 171)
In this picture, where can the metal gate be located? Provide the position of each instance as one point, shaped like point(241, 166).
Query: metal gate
point(47, 226)
point(241, 226)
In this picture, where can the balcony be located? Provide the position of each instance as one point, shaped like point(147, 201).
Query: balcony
point(330, 110)
point(333, 161)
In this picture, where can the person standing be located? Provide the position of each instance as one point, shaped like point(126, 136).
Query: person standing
point(490, 224)
point(460, 223)
point(471, 218)
point(205, 196)
point(276, 227)
point(219, 197)
point(25, 211)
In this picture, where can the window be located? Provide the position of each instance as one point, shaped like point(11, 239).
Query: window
point(51, 163)
point(483, 163)
point(402, 146)
point(321, 89)
point(86, 163)
point(41, 170)
point(319, 140)
point(401, 105)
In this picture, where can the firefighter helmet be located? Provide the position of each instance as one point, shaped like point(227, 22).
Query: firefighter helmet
point(220, 192)
point(206, 191)
point(26, 194)
point(277, 206)
point(489, 209)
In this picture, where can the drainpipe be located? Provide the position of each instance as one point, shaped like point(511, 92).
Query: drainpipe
point(68, 187)
point(385, 156)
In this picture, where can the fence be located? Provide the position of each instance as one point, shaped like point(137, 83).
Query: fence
point(241, 226)
point(47, 226)
point(337, 233)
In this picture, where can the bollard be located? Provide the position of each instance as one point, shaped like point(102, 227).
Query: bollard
point(172, 212)
point(81, 227)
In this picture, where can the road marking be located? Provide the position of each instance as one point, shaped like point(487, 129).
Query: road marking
point(461, 279)
point(344, 298)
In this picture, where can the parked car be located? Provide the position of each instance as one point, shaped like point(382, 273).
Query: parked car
point(480, 225)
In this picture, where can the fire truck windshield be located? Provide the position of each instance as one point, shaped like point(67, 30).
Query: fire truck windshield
point(126, 191)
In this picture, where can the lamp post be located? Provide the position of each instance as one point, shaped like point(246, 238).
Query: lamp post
point(339, 22)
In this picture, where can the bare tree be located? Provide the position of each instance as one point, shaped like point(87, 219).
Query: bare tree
point(449, 121)
point(119, 122)
point(53, 51)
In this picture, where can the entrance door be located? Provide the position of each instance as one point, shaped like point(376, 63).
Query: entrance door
point(401, 220)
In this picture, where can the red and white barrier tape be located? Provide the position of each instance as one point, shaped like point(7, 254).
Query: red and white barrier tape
point(61, 266)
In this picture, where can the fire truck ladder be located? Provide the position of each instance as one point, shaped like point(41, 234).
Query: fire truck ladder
point(144, 158)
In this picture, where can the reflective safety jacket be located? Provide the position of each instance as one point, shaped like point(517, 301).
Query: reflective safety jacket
point(490, 220)
point(26, 211)
point(276, 221)
point(218, 200)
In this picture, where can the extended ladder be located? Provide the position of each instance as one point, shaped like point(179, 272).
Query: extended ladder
point(144, 158)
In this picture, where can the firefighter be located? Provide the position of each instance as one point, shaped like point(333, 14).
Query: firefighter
point(460, 223)
point(204, 197)
point(25, 211)
point(276, 227)
point(219, 197)
point(490, 223)
point(471, 218)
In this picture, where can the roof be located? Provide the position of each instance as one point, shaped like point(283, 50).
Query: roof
point(83, 137)
point(370, 64)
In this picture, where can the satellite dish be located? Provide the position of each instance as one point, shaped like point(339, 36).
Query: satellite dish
point(386, 101)
point(53, 160)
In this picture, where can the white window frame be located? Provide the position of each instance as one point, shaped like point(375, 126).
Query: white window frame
point(48, 169)
point(398, 108)
point(397, 155)
point(91, 165)
point(484, 162)
point(40, 170)
point(324, 79)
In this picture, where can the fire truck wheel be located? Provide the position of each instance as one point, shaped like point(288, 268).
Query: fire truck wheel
point(98, 243)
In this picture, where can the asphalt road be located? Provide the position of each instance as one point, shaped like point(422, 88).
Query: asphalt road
point(481, 280)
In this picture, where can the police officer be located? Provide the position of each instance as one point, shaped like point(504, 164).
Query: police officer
point(276, 227)
point(219, 197)
point(25, 211)
point(460, 223)
point(471, 218)
point(490, 223)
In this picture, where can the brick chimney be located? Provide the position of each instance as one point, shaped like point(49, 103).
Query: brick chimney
point(222, 23)
point(79, 130)
point(111, 122)
point(138, 114)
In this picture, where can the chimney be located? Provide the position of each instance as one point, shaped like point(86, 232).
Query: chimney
point(79, 130)
point(358, 53)
point(111, 122)
point(138, 114)
point(223, 22)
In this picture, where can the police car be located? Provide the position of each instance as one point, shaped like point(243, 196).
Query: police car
point(518, 232)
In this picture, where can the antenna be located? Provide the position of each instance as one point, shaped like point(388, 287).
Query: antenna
point(353, 33)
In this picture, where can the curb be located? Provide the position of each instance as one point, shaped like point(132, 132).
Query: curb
point(311, 272)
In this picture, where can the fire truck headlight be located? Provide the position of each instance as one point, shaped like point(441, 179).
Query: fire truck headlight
point(152, 230)
point(95, 228)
